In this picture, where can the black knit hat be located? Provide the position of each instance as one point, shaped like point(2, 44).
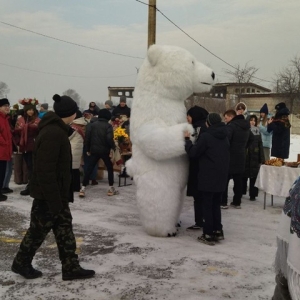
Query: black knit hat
point(213, 118)
point(4, 101)
point(104, 114)
point(64, 106)
point(197, 114)
point(280, 106)
point(264, 109)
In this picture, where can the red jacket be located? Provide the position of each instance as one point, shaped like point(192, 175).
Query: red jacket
point(5, 138)
point(25, 133)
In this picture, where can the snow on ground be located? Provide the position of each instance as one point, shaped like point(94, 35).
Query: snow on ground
point(130, 265)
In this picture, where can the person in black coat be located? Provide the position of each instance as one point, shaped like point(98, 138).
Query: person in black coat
point(212, 152)
point(280, 126)
point(239, 137)
point(254, 158)
point(51, 188)
point(99, 141)
point(93, 109)
point(197, 117)
point(122, 109)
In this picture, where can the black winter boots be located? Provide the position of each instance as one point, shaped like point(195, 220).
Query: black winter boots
point(3, 197)
point(25, 192)
point(26, 271)
point(78, 273)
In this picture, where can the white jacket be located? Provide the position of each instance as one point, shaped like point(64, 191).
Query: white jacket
point(76, 141)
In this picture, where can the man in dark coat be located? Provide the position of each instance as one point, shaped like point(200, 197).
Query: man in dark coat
point(121, 109)
point(99, 141)
point(239, 136)
point(280, 126)
point(51, 188)
point(93, 109)
point(197, 117)
point(212, 150)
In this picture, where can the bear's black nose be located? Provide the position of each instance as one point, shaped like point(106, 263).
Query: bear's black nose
point(213, 75)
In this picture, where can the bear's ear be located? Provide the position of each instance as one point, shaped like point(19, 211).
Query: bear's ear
point(154, 53)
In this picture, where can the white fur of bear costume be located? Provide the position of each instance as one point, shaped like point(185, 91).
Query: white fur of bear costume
point(159, 164)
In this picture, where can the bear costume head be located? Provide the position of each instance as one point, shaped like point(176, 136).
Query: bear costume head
point(175, 72)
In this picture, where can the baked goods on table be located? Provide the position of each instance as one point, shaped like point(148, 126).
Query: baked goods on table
point(292, 164)
point(277, 162)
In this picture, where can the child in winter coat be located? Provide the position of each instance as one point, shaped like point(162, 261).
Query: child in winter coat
point(197, 117)
point(263, 128)
point(76, 139)
point(254, 158)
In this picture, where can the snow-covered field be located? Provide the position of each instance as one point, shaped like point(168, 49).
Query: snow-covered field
point(130, 265)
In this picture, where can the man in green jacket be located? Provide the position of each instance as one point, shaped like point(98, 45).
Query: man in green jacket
point(51, 188)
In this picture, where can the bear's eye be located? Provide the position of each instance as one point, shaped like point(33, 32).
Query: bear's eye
point(193, 62)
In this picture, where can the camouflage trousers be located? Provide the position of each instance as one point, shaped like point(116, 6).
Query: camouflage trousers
point(41, 222)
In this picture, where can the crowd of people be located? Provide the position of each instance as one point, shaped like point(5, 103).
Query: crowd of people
point(91, 133)
point(52, 144)
point(55, 144)
point(232, 149)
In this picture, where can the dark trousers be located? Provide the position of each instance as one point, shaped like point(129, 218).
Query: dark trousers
point(41, 222)
point(198, 209)
point(281, 290)
point(211, 212)
point(8, 173)
point(86, 161)
point(76, 180)
point(91, 164)
point(3, 164)
point(27, 156)
point(237, 189)
point(253, 191)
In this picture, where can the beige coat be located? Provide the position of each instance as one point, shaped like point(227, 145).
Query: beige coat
point(76, 141)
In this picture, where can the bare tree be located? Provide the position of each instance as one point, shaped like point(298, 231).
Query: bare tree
point(288, 80)
point(242, 74)
point(4, 90)
point(74, 95)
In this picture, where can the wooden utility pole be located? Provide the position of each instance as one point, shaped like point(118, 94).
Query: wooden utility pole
point(151, 22)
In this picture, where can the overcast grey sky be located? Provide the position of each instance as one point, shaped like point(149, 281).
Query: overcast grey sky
point(264, 33)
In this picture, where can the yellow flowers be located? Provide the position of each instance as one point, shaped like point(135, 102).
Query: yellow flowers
point(120, 135)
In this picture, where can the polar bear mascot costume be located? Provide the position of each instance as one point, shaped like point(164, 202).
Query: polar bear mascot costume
point(159, 164)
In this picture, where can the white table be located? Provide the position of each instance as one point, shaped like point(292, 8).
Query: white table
point(276, 180)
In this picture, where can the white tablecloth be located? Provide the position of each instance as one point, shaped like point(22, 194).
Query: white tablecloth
point(276, 181)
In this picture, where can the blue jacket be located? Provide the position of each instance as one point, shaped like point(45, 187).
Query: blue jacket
point(265, 136)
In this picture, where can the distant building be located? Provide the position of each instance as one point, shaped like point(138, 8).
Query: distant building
point(120, 91)
point(221, 90)
point(224, 96)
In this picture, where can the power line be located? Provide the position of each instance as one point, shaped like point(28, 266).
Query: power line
point(67, 42)
point(63, 75)
point(197, 41)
